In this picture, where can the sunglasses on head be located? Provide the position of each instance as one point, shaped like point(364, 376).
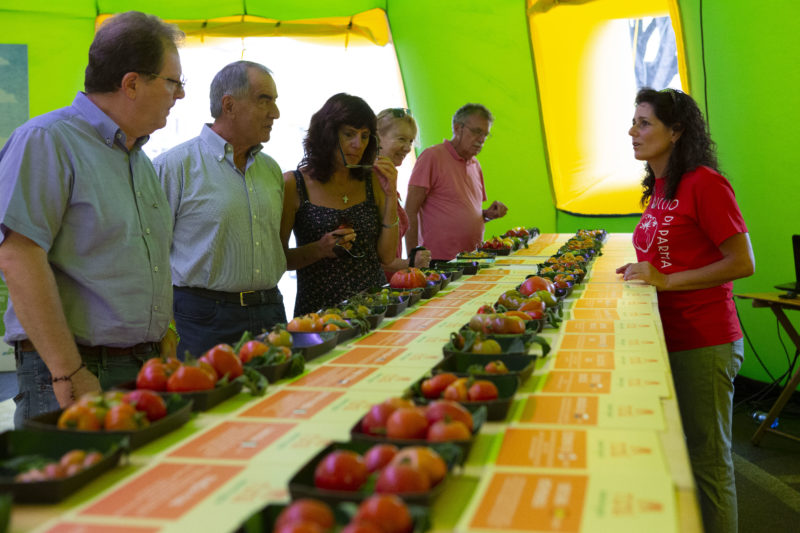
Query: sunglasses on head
point(400, 112)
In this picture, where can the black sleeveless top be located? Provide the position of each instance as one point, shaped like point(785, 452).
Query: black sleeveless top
point(329, 281)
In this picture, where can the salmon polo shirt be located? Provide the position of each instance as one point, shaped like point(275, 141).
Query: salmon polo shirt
point(451, 217)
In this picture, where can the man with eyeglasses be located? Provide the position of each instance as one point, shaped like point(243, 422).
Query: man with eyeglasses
point(446, 190)
point(85, 227)
point(226, 197)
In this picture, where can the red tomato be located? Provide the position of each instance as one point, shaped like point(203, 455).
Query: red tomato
point(361, 527)
point(456, 391)
point(482, 390)
point(374, 422)
point(407, 423)
point(78, 416)
point(443, 431)
point(123, 417)
point(252, 349)
point(387, 511)
point(408, 278)
point(152, 376)
point(147, 401)
point(190, 378)
point(379, 456)
point(300, 527)
point(398, 402)
point(224, 360)
point(73, 457)
point(536, 283)
point(206, 367)
point(341, 470)
point(444, 409)
point(434, 387)
point(399, 478)
point(306, 510)
point(425, 459)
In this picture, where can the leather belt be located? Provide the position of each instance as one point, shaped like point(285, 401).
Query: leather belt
point(244, 298)
point(143, 348)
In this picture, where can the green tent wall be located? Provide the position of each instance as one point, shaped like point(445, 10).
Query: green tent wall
point(740, 57)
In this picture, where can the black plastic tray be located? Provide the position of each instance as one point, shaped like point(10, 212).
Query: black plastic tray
point(376, 316)
point(301, 484)
point(273, 373)
point(202, 400)
point(466, 267)
point(431, 290)
point(520, 366)
point(496, 409)
point(496, 251)
point(344, 335)
point(263, 520)
point(313, 345)
point(394, 309)
point(31, 442)
point(178, 416)
point(466, 445)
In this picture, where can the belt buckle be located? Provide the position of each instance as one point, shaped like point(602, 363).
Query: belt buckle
point(241, 297)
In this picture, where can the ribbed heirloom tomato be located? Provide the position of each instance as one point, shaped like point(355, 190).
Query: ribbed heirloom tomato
point(435, 386)
point(147, 401)
point(408, 278)
point(224, 360)
point(536, 283)
point(407, 423)
point(189, 378)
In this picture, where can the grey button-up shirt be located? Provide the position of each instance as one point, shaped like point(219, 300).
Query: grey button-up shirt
point(226, 222)
point(68, 183)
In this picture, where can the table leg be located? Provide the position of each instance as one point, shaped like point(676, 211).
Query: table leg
point(790, 387)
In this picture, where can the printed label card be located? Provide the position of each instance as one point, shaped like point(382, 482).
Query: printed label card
point(387, 338)
point(333, 376)
point(292, 403)
point(627, 412)
point(391, 380)
point(369, 355)
point(233, 440)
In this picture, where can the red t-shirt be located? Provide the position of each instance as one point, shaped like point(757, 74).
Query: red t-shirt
point(683, 234)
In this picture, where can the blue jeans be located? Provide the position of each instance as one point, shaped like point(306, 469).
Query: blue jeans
point(36, 395)
point(704, 386)
point(203, 322)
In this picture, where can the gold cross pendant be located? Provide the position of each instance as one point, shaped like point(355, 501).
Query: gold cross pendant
point(344, 199)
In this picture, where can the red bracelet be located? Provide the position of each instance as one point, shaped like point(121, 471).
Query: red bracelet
point(68, 377)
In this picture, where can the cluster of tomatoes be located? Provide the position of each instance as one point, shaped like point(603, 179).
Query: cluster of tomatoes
point(172, 375)
point(474, 342)
point(410, 470)
point(497, 243)
point(68, 465)
point(399, 418)
point(380, 513)
point(451, 387)
point(273, 349)
point(518, 231)
point(316, 322)
point(506, 323)
point(113, 411)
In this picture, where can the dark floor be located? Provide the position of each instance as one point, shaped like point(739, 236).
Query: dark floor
point(768, 475)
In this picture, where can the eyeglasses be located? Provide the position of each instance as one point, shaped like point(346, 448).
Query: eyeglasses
point(478, 132)
point(179, 84)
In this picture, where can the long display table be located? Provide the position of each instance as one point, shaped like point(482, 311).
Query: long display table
point(593, 441)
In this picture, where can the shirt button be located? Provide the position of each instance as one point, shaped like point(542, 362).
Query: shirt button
point(220, 158)
point(251, 189)
point(258, 271)
point(155, 269)
point(139, 194)
point(155, 204)
point(155, 308)
point(147, 231)
point(254, 217)
point(256, 243)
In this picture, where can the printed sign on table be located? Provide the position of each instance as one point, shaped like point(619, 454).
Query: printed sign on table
point(580, 382)
point(391, 380)
point(233, 440)
point(333, 376)
point(387, 338)
point(606, 360)
point(628, 412)
point(292, 403)
point(179, 487)
point(432, 312)
point(412, 324)
point(368, 355)
point(590, 449)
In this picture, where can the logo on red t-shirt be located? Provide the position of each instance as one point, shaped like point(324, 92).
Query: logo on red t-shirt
point(645, 232)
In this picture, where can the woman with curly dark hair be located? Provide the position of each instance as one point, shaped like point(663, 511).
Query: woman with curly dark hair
point(344, 223)
point(691, 243)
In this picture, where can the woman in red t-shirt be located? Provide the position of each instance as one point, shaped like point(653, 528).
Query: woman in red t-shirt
point(691, 243)
point(397, 130)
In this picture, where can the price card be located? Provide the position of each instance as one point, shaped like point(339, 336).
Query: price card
point(412, 324)
point(433, 312)
point(387, 338)
point(369, 355)
point(391, 380)
point(606, 360)
point(234, 440)
point(334, 376)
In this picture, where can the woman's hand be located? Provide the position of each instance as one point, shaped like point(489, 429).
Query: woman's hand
point(341, 236)
point(645, 272)
point(384, 166)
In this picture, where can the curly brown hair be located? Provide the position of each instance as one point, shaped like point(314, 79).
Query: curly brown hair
point(321, 143)
point(679, 112)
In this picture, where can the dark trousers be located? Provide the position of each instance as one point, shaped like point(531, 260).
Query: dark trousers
point(204, 322)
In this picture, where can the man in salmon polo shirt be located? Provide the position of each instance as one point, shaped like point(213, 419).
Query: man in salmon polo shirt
point(446, 190)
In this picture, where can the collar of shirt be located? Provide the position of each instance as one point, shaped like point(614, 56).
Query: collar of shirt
point(222, 149)
point(106, 128)
point(451, 149)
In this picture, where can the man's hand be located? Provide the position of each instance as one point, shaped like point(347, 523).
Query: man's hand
point(70, 390)
point(496, 210)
